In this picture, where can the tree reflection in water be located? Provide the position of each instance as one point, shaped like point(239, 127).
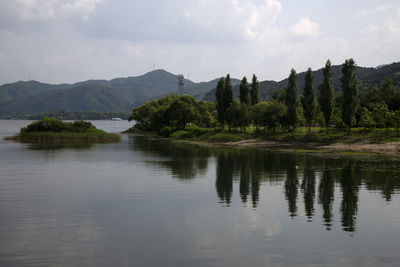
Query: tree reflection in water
point(326, 193)
point(250, 169)
point(308, 187)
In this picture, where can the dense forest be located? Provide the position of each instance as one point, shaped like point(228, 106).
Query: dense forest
point(322, 104)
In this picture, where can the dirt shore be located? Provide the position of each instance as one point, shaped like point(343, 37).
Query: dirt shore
point(385, 148)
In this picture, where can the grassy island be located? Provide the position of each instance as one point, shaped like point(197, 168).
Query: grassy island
point(52, 130)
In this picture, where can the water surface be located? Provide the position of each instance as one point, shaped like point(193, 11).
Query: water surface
point(149, 202)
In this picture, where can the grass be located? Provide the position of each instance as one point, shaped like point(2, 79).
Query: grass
point(302, 135)
point(91, 135)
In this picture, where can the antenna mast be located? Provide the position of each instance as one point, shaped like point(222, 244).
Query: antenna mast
point(181, 84)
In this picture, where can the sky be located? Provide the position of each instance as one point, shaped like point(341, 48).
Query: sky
point(66, 41)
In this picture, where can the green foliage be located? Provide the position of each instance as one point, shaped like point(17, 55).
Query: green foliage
point(224, 98)
point(366, 119)
point(350, 92)
point(175, 111)
point(225, 137)
point(53, 130)
point(238, 115)
point(337, 119)
point(381, 115)
point(182, 134)
point(327, 94)
point(244, 91)
point(220, 102)
point(308, 99)
point(165, 131)
point(54, 125)
point(291, 101)
point(255, 91)
point(228, 93)
point(268, 114)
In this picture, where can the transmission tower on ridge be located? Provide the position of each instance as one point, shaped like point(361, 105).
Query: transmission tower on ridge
point(181, 84)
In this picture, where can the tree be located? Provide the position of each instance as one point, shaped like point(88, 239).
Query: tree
point(327, 95)
point(291, 101)
point(228, 96)
point(308, 99)
point(268, 114)
point(228, 92)
point(181, 112)
point(274, 114)
point(350, 92)
point(366, 119)
point(244, 92)
point(381, 115)
point(238, 115)
point(254, 91)
point(219, 96)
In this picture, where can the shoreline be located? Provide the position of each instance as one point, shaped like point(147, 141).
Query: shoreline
point(390, 148)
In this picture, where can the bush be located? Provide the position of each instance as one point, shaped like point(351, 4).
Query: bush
point(226, 137)
point(196, 130)
point(165, 131)
point(182, 134)
point(57, 126)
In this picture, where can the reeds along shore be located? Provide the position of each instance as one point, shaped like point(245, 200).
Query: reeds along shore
point(96, 136)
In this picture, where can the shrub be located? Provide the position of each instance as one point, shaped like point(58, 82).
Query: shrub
point(165, 131)
point(225, 137)
point(182, 134)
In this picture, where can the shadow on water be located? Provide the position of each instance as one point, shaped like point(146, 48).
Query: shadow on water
point(59, 145)
point(311, 179)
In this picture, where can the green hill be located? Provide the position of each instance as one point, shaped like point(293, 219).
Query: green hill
point(117, 95)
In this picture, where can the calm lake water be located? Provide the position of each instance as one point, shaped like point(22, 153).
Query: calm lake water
point(148, 202)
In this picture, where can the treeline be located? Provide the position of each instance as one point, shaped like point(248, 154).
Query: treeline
point(284, 110)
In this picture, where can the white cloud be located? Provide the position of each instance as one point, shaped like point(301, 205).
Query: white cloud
point(72, 40)
point(305, 27)
point(373, 11)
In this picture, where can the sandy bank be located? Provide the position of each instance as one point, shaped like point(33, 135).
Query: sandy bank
point(385, 148)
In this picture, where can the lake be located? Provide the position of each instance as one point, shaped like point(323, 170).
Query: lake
point(151, 202)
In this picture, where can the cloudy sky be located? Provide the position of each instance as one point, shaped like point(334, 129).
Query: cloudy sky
point(60, 41)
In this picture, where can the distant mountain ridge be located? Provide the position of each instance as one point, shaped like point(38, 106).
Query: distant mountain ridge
point(123, 94)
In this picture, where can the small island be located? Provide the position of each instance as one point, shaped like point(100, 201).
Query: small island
point(53, 130)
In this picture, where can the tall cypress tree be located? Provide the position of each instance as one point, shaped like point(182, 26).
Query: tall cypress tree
point(228, 92)
point(291, 101)
point(219, 99)
point(350, 92)
point(308, 99)
point(244, 91)
point(254, 91)
point(228, 98)
point(327, 94)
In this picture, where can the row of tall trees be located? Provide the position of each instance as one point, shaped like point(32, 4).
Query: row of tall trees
point(286, 109)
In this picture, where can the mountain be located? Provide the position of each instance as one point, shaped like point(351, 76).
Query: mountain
point(12, 91)
point(123, 94)
point(117, 95)
point(368, 77)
